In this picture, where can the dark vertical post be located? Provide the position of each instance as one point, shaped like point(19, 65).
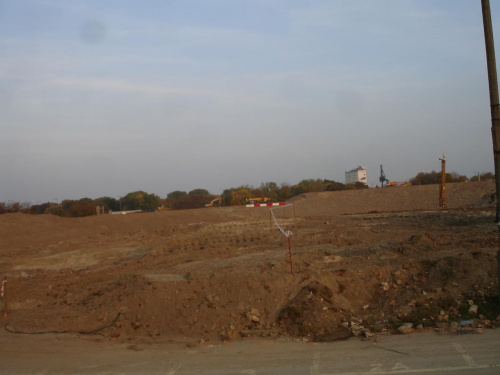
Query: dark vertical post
point(494, 102)
point(442, 184)
point(3, 295)
point(495, 110)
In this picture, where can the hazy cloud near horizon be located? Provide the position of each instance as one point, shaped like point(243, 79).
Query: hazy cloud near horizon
point(101, 98)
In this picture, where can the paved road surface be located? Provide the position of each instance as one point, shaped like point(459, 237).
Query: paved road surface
point(426, 353)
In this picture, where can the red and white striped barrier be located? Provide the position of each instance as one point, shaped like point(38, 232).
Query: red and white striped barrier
point(266, 204)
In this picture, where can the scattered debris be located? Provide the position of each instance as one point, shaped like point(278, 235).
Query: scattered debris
point(406, 328)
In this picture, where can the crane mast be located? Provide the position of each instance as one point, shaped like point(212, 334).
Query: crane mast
point(382, 177)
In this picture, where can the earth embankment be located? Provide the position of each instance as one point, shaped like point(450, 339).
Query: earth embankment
point(363, 262)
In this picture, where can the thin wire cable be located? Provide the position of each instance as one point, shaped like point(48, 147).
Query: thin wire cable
point(287, 234)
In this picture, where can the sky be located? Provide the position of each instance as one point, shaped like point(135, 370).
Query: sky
point(103, 98)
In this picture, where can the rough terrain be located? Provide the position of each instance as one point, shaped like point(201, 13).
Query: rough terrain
point(363, 262)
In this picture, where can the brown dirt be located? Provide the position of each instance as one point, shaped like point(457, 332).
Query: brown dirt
point(376, 258)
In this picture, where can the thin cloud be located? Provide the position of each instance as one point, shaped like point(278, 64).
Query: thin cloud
point(124, 86)
point(346, 15)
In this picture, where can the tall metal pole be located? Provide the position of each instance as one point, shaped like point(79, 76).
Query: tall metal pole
point(495, 109)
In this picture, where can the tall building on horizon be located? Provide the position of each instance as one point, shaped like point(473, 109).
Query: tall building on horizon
point(356, 175)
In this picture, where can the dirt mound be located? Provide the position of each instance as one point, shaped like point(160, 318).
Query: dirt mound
point(410, 198)
point(362, 262)
point(463, 274)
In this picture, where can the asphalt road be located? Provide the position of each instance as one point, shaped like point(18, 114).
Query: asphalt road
point(424, 353)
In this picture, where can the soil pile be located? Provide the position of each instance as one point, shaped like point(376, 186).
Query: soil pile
point(362, 262)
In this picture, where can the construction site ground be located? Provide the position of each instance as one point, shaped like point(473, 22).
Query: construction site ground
point(365, 263)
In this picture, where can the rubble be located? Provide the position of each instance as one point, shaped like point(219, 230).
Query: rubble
point(253, 315)
point(473, 309)
point(406, 328)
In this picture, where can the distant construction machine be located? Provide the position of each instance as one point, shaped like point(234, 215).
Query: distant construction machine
point(382, 177)
point(259, 200)
point(216, 202)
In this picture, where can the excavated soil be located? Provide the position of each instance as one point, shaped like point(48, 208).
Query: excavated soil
point(362, 261)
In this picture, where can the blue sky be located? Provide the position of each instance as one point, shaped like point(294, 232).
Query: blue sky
point(101, 98)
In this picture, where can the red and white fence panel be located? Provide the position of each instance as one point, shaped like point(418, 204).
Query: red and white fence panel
point(266, 204)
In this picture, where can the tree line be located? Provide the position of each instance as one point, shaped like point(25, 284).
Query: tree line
point(435, 178)
point(197, 198)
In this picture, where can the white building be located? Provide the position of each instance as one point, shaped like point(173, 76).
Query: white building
point(356, 175)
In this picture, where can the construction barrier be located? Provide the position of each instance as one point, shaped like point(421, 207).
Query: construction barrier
point(266, 204)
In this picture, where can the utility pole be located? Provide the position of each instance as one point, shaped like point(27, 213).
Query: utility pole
point(495, 110)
